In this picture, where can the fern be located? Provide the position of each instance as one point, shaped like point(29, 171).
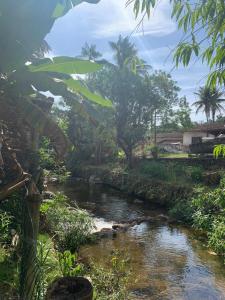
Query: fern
point(219, 150)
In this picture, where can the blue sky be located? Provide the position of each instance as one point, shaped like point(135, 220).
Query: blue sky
point(98, 24)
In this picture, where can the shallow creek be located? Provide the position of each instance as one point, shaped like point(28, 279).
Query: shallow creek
point(168, 262)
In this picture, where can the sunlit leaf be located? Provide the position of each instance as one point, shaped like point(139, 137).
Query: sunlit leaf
point(66, 65)
point(76, 86)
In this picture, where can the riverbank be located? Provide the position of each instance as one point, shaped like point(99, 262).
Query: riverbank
point(165, 259)
point(190, 194)
point(153, 183)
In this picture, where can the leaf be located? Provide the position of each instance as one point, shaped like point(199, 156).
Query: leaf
point(219, 150)
point(58, 11)
point(76, 86)
point(63, 6)
point(66, 65)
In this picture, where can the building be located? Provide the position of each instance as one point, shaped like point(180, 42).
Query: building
point(170, 141)
point(203, 138)
point(199, 139)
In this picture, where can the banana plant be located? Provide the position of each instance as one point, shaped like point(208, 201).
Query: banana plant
point(25, 24)
point(61, 69)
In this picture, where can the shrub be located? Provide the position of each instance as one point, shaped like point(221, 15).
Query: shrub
point(182, 211)
point(155, 170)
point(111, 283)
point(72, 226)
point(196, 174)
point(69, 265)
point(209, 216)
point(217, 237)
point(5, 221)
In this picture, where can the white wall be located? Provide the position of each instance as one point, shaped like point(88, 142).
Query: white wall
point(187, 137)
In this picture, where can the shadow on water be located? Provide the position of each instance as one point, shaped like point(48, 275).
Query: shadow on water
point(167, 262)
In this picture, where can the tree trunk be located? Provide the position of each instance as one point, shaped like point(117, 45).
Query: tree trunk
point(213, 115)
point(127, 150)
point(155, 132)
point(129, 155)
point(29, 275)
point(29, 265)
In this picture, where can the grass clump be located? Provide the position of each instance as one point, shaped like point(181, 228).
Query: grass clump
point(72, 227)
point(171, 171)
point(111, 283)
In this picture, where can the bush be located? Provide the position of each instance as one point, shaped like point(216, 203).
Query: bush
point(111, 283)
point(155, 170)
point(73, 227)
point(69, 265)
point(5, 221)
point(217, 237)
point(196, 174)
point(209, 216)
point(183, 211)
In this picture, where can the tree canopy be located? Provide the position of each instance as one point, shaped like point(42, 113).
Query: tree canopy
point(203, 23)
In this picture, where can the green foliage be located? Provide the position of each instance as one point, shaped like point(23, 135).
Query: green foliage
point(90, 52)
point(217, 236)
point(77, 86)
point(111, 283)
point(47, 154)
point(219, 150)
point(155, 170)
point(202, 21)
point(12, 214)
point(196, 174)
point(62, 8)
point(209, 216)
point(136, 96)
point(182, 116)
point(182, 210)
point(71, 226)
point(69, 265)
point(53, 168)
point(94, 143)
point(171, 171)
point(46, 264)
point(210, 102)
point(5, 222)
point(65, 65)
point(9, 271)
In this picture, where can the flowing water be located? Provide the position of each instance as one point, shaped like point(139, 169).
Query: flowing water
point(168, 262)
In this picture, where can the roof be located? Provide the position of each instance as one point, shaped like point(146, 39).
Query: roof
point(169, 137)
point(214, 128)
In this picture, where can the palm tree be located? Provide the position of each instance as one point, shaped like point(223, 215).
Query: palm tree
point(90, 52)
point(216, 103)
point(124, 51)
point(209, 101)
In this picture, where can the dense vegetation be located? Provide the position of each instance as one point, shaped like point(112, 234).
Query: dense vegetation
point(108, 111)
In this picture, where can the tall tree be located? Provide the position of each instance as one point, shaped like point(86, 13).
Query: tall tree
point(182, 115)
point(124, 51)
point(136, 96)
point(90, 52)
point(209, 102)
point(217, 101)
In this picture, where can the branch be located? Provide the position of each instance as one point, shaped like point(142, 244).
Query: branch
point(14, 186)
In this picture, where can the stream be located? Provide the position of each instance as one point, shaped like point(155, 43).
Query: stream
point(167, 261)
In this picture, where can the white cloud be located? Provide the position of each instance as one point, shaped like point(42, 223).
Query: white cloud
point(112, 18)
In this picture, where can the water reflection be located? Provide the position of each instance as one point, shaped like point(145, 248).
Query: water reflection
point(167, 262)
